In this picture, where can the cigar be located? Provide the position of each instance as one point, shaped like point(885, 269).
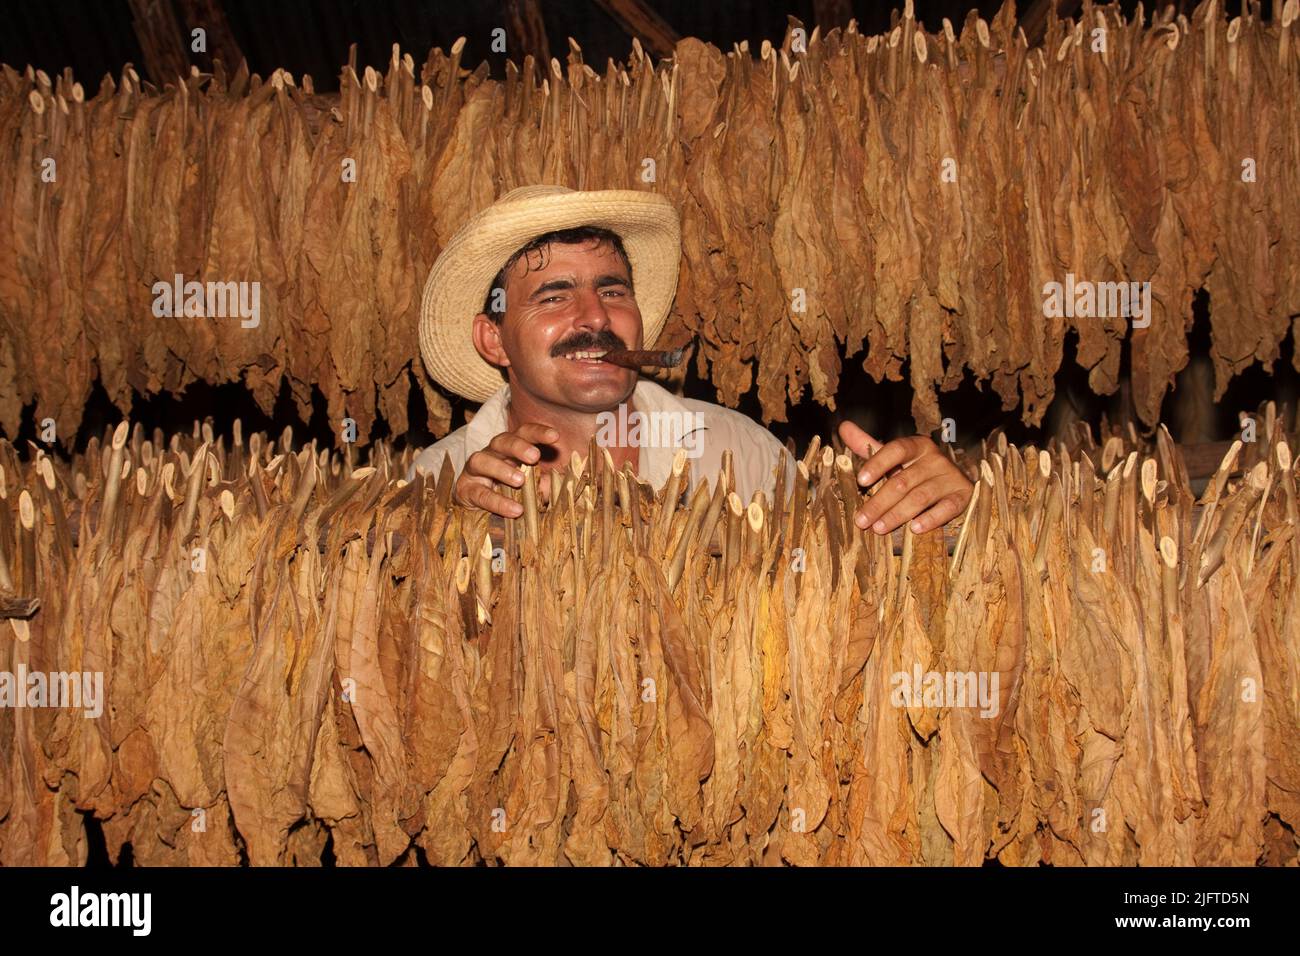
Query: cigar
point(638, 358)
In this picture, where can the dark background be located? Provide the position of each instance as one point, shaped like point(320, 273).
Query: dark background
point(95, 37)
point(98, 37)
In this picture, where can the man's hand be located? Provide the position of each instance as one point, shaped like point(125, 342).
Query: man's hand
point(924, 484)
point(500, 461)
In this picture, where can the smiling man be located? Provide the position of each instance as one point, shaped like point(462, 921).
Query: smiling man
point(520, 309)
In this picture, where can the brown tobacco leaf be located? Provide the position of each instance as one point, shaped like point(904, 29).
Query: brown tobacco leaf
point(438, 731)
point(496, 705)
point(581, 696)
point(22, 843)
point(533, 802)
point(1277, 631)
point(1232, 741)
point(829, 170)
point(372, 704)
point(257, 742)
point(613, 701)
point(588, 841)
point(674, 663)
point(333, 793)
point(703, 70)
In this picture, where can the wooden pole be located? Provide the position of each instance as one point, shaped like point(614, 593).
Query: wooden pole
point(639, 20)
point(159, 35)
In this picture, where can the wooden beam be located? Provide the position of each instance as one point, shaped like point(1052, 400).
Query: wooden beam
point(1034, 22)
point(159, 36)
point(220, 39)
point(639, 19)
point(526, 33)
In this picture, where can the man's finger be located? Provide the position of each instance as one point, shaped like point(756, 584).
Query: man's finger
point(482, 496)
point(915, 501)
point(900, 451)
point(537, 433)
point(940, 513)
point(892, 491)
point(857, 440)
point(483, 464)
point(522, 443)
point(510, 445)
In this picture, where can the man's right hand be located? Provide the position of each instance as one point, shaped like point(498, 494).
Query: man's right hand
point(500, 461)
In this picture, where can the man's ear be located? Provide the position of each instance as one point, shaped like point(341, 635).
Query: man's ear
point(487, 341)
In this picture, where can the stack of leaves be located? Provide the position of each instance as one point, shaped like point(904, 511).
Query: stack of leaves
point(910, 194)
point(299, 654)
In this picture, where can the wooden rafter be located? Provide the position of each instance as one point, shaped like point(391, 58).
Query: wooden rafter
point(159, 35)
point(221, 43)
point(1034, 22)
point(526, 33)
point(639, 19)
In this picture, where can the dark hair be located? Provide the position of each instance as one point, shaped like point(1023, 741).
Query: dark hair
point(565, 237)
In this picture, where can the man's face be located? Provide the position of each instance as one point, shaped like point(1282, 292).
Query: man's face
point(580, 301)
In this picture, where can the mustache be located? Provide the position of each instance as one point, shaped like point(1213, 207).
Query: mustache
point(586, 342)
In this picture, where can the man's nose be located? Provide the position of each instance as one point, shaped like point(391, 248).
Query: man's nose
point(591, 311)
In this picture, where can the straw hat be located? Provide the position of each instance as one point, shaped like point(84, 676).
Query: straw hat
point(459, 280)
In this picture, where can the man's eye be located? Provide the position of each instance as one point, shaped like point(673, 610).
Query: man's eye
point(617, 291)
point(552, 298)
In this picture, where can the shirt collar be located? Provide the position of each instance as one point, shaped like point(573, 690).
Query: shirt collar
point(490, 419)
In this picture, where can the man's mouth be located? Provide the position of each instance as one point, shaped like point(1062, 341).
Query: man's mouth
point(592, 356)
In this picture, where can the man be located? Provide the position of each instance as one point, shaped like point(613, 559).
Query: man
point(546, 280)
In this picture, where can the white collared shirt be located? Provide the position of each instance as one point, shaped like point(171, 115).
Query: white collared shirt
point(666, 423)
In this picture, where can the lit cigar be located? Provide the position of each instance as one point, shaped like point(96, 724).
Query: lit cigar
point(638, 358)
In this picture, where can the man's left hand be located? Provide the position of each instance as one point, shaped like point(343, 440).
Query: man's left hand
point(924, 486)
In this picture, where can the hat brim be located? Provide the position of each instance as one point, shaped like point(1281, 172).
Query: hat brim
point(459, 280)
